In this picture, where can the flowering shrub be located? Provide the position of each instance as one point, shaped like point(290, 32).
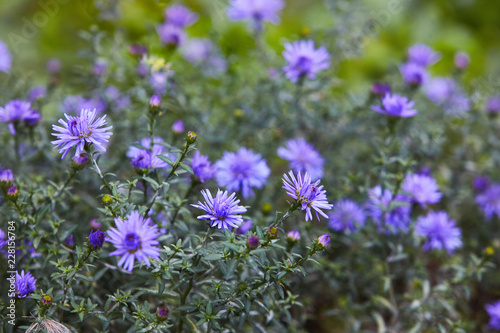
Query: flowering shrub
point(186, 187)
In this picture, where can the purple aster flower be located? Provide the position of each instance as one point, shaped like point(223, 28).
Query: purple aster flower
point(138, 50)
point(145, 159)
point(180, 16)
point(310, 196)
point(3, 241)
point(494, 313)
point(439, 90)
point(142, 70)
point(462, 60)
point(202, 168)
point(347, 216)
point(396, 106)
point(134, 238)
point(6, 176)
point(38, 92)
point(324, 240)
point(54, 65)
point(81, 130)
point(14, 112)
point(111, 93)
point(95, 225)
point(381, 89)
point(242, 171)
point(122, 102)
point(414, 74)
point(293, 235)
point(155, 101)
point(440, 231)
point(96, 239)
point(304, 61)
point(391, 214)
point(32, 118)
point(70, 240)
point(302, 157)
point(481, 184)
point(243, 229)
point(171, 34)
point(5, 58)
point(255, 11)
point(423, 55)
point(178, 126)
point(25, 284)
point(158, 82)
point(493, 104)
point(421, 189)
point(222, 211)
point(489, 201)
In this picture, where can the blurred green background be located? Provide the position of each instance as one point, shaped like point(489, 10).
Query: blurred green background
point(366, 38)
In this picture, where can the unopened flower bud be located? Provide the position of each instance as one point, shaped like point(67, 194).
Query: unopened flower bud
point(178, 126)
point(46, 300)
point(462, 60)
point(191, 137)
point(162, 312)
point(293, 236)
point(155, 101)
point(79, 162)
point(12, 193)
point(324, 240)
point(253, 242)
point(96, 239)
point(107, 200)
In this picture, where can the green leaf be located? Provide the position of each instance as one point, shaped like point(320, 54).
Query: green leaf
point(210, 257)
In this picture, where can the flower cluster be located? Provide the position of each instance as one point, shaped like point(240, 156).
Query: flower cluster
point(17, 111)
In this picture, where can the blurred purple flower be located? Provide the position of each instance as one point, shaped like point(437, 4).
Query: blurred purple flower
point(439, 90)
point(462, 60)
point(180, 16)
point(245, 227)
point(242, 171)
point(178, 126)
point(14, 112)
point(255, 11)
point(423, 55)
point(171, 34)
point(494, 313)
point(158, 82)
point(145, 159)
point(6, 176)
point(38, 92)
point(391, 214)
point(414, 74)
point(222, 211)
point(396, 106)
point(346, 216)
point(381, 89)
point(202, 168)
point(302, 157)
point(489, 201)
point(421, 189)
point(5, 58)
point(304, 60)
point(201, 52)
point(481, 184)
point(440, 231)
point(53, 65)
point(493, 104)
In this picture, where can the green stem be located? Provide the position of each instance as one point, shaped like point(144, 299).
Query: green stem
point(99, 173)
point(70, 177)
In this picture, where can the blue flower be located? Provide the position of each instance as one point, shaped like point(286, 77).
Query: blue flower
point(222, 211)
point(396, 106)
point(423, 55)
point(421, 189)
point(255, 11)
point(81, 130)
point(310, 196)
point(489, 201)
point(439, 90)
point(25, 284)
point(14, 112)
point(391, 214)
point(494, 313)
point(180, 16)
point(145, 159)
point(304, 60)
point(242, 171)
point(414, 74)
point(5, 58)
point(302, 157)
point(134, 238)
point(202, 168)
point(440, 231)
point(96, 239)
point(171, 34)
point(346, 216)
